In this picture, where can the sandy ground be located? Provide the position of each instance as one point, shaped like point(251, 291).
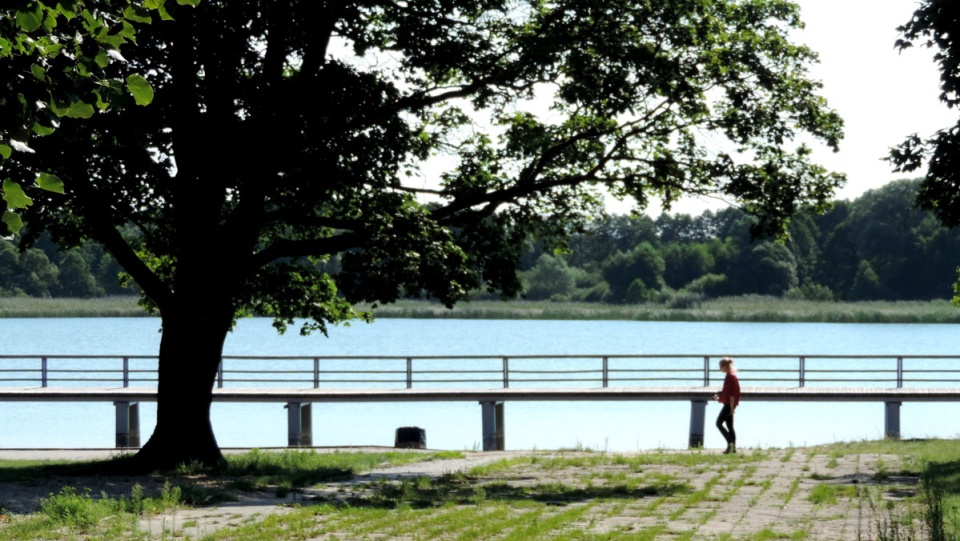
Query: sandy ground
point(772, 494)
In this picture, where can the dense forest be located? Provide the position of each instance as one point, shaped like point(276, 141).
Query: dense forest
point(876, 247)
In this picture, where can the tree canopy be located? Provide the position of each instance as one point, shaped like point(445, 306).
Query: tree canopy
point(418, 143)
point(936, 24)
point(53, 65)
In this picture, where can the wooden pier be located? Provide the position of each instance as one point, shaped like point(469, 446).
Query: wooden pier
point(890, 380)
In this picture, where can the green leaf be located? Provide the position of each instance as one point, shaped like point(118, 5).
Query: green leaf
point(5, 151)
point(137, 14)
point(102, 59)
point(68, 9)
point(40, 129)
point(140, 89)
point(160, 7)
point(14, 223)
point(50, 22)
point(128, 31)
point(59, 108)
point(14, 196)
point(38, 72)
point(30, 19)
point(79, 109)
point(193, 3)
point(50, 182)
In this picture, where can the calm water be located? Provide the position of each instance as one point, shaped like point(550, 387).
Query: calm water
point(612, 426)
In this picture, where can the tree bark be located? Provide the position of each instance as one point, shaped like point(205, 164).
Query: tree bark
point(190, 351)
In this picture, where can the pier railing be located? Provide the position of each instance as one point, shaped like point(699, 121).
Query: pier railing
point(300, 381)
point(498, 371)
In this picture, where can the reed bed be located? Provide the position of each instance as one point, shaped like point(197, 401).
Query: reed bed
point(732, 309)
point(29, 307)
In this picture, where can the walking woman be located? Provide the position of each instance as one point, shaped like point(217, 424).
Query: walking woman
point(729, 397)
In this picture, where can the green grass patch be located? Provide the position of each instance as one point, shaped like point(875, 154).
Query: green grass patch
point(297, 469)
point(635, 463)
point(824, 494)
point(73, 514)
point(767, 534)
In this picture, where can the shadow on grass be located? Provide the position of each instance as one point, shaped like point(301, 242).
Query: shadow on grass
point(15, 471)
point(252, 472)
point(461, 489)
point(945, 475)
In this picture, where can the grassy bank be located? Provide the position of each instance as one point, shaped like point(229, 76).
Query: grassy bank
point(886, 490)
point(741, 309)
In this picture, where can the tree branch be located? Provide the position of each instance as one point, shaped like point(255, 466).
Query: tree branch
point(285, 248)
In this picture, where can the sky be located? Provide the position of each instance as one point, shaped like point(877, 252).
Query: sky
point(882, 95)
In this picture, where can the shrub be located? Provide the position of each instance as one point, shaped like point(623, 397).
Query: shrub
point(810, 292)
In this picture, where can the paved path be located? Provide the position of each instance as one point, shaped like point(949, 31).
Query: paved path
point(772, 491)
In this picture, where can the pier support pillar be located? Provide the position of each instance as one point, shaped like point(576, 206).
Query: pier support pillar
point(698, 416)
point(492, 422)
point(891, 420)
point(128, 424)
point(299, 424)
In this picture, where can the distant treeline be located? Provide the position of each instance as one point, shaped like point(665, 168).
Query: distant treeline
point(45, 271)
point(877, 247)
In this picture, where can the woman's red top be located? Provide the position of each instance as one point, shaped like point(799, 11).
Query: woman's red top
point(730, 394)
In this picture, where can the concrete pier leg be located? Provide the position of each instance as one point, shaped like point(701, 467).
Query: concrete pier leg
point(500, 429)
point(491, 414)
point(698, 416)
point(299, 424)
point(306, 425)
point(892, 420)
point(128, 424)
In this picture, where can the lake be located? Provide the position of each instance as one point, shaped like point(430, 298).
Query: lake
point(610, 426)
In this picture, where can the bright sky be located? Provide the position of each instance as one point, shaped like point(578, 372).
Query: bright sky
point(882, 95)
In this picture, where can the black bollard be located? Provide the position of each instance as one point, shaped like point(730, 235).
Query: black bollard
point(410, 437)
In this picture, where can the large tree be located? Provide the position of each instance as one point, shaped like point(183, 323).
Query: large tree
point(419, 142)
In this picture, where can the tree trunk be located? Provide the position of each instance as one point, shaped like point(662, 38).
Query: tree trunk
point(190, 352)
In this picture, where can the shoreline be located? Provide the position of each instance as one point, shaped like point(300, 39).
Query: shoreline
point(748, 309)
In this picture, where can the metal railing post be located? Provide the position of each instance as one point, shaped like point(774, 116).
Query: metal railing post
point(899, 372)
point(706, 371)
point(220, 375)
point(606, 372)
point(506, 372)
point(43, 371)
point(316, 373)
point(409, 373)
point(802, 372)
point(126, 371)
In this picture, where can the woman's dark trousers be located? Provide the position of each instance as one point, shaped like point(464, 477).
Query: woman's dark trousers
point(726, 418)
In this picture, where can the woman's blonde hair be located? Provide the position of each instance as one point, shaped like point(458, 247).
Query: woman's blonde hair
point(727, 362)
